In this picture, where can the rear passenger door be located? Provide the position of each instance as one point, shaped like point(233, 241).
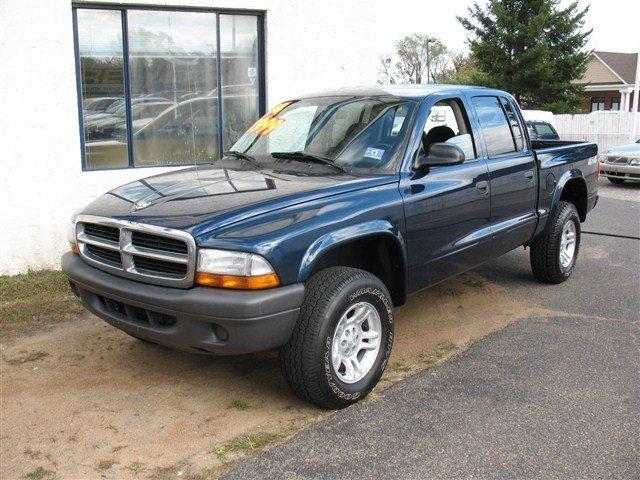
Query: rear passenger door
point(513, 173)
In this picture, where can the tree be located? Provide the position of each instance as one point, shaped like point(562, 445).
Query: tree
point(531, 48)
point(461, 70)
point(413, 54)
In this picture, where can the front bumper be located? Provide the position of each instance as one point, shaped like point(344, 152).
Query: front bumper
point(199, 319)
point(628, 172)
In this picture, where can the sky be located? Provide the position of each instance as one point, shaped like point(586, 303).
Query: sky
point(614, 22)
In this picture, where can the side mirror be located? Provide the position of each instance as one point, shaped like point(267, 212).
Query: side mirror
point(440, 155)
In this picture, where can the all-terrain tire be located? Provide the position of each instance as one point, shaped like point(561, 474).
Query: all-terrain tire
point(306, 359)
point(616, 180)
point(545, 248)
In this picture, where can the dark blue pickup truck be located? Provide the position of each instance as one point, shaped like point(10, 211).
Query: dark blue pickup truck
point(325, 215)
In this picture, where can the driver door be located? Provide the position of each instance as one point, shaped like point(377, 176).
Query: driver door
point(447, 208)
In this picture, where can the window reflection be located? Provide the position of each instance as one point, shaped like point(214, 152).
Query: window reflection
point(173, 85)
point(102, 85)
point(172, 56)
point(240, 79)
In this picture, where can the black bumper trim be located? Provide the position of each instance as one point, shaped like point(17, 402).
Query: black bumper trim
point(254, 321)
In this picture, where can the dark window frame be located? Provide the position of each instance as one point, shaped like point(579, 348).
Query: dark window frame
point(123, 9)
point(598, 101)
point(499, 100)
point(506, 103)
point(616, 101)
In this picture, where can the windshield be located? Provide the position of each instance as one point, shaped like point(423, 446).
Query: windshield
point(352, 132)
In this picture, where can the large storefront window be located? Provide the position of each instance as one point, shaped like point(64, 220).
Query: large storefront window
point(165, 87)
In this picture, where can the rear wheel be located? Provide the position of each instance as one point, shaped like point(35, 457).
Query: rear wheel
point(342, 341)
point(553, 254)
point(616, 180)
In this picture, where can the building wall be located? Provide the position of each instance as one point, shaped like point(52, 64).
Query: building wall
point(597, 72)
point(310, 45)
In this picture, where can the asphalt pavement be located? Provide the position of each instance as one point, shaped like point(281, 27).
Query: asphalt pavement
point(556, 396)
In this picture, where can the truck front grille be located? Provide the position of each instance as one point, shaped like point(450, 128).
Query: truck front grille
point(105, 254)
point(138, 251)
point(159, 266)
point(618, 160)
point(102, 231)
point(140, 239)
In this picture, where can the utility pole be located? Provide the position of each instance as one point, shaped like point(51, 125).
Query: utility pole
point(636, 93)
point(429, 40)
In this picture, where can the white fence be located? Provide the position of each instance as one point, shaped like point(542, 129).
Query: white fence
point(607, 129)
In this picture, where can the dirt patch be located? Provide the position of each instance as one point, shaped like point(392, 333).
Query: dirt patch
point(84, 400)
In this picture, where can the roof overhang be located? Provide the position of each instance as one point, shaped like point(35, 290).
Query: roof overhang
point(607, 87)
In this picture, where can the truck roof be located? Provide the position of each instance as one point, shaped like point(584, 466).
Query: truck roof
point(411, 91)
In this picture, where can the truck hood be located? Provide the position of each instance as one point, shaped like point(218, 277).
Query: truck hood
point(203, 198)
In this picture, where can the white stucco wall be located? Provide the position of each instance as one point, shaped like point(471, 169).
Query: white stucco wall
point(310, 45)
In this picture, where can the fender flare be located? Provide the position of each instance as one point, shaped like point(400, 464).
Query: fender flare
point(572, 174)
point(341, 236)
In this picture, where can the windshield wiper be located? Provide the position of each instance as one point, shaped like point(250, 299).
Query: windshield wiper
point(308, 156)
point(242, 155)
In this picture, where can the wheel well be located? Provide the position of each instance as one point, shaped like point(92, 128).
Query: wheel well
point(575, 191)
point(379, 255)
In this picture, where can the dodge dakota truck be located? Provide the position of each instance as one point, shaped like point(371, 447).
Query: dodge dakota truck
point(328, 213)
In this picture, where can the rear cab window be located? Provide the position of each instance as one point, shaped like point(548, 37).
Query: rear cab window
point(500, 134)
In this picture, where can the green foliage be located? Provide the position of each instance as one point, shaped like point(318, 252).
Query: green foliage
point(531, 48)
point(39, 473)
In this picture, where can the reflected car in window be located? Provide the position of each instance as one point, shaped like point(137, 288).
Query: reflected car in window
point(542, 131)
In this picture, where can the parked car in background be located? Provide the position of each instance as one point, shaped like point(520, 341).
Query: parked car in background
point(325, 215)
point(540, 116)
point(539, 130)
point(621, 163)
point(97, 105)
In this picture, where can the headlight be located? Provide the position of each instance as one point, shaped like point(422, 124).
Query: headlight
point(71, 236)
point(225, 269)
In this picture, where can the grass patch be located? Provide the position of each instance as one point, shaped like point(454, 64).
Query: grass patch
point(439, 353)
point(473, 282)
point(401, 366)
point(104, 465)
point(27, 358)
point(249, 443)
point(136, 467)
point(239, 405)
point(39, 473)
point(33, 300)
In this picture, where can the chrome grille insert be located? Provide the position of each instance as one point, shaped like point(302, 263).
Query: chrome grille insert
point(618, 160)
point(147, 253)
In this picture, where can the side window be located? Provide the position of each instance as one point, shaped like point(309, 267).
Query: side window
point(448, 123)
point(495, 128)
point(514, 121)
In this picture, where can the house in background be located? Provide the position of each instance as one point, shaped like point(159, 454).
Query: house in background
point(609, 81)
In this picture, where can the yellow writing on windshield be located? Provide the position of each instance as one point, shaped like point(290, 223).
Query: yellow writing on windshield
point(270, 121)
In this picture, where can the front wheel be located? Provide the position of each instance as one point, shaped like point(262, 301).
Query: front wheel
point(553, 254)
point(341, 344)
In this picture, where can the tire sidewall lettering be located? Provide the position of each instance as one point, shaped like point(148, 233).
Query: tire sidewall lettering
point(333, 382)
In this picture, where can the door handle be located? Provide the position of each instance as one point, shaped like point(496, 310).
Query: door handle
point(483, 187)
point(528, 174)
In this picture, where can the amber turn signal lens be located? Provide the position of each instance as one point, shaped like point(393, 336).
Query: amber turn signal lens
point(74, 248)
point(257, 282)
